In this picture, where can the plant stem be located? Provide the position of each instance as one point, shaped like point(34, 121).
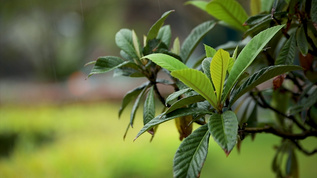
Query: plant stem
point(286, 135)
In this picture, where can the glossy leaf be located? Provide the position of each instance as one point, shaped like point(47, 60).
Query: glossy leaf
point(194, 38)
point(184, 102)
point(301, 40)
point(149, 107)
point(224, 129)
point(154, 30)
point(218, 71)
point(176, 47)
point(229, 11)
point(125, 42)
point(200, 4)
point(191, 154)
point(136, 44)
point(247, 55)
point(210, 52)
point(177, 113)
point(175, 95)
point(106, 64)
point(199, 82)
point(287, 53)
point(261, 76)
point(165, 61)
point(165, 35)
point(130, 96)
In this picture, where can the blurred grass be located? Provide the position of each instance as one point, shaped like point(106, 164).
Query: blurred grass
point(86, 140)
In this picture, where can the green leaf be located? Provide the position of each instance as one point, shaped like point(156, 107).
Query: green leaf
point(136, 43)
point(257, 19)
point(301, 40)
point(229, 11)
point(176, 47)
point(154, 30)
point(287, 53)
point(224, 129)
point(149, 107)
point(168, 62)
point(176, 95)
point(260, 77)
point(177, 113)
point(199, 82)
point(194, 38)
point(210, 52)
point(218, 71)
point(165, 35)
point(313, 13)
point(184, 102)
point(266, 5)
point(247, 55)
point(257, 28)
point(255, 6)
point(124, 41)
point(130, 96)
point(136, 106)
point(230, 65)
point(291, 164)
point(128, 72)
point(191, 154)
point(106, 64)
point(206, 66)
point(200, 4)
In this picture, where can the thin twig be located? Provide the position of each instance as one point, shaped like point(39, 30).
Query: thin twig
point(264, 104)
point(286, 135)
point(308, 153)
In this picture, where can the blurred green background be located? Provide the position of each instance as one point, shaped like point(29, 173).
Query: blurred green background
point(54, 122)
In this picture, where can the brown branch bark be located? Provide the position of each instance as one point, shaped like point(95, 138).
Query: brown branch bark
point(286, 135)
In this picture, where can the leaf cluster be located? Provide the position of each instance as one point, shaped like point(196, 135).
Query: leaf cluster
point(221, 92)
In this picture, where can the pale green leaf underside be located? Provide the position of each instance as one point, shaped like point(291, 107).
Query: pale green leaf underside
point(125, 42)
point(260, 77)
point(218, 71)
point(229, 11)
point(247, 55)
point(165, 61)
point(191, 154)
point(200, 4)
point(199, 82)
point(224, 129)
